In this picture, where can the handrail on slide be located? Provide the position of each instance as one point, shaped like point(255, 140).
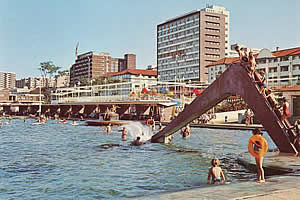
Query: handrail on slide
point(234, 81)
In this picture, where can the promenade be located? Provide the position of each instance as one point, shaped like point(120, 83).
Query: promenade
point(222, 125)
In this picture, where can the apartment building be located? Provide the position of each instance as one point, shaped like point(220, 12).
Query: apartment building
point(188, 43)
point(34, 82)
point(7, 80)
point(91, 65)
point(282, 67)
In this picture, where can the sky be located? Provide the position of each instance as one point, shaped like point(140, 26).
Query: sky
point(35, 31)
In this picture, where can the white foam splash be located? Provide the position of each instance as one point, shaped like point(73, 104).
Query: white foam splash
point(136, 129)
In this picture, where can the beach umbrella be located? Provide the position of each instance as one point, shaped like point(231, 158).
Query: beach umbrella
point(132, 93)
point(197, 92)
point(144, 90)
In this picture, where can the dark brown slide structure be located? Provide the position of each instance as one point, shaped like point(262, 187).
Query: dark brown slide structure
point(234, 81)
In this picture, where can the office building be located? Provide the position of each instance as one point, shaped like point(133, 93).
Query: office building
point(186, 44)
point(91, 65)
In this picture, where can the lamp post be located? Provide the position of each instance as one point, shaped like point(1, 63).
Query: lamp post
point(78, 89)
point(40, 103)
point(105, 87)
point(92, 87)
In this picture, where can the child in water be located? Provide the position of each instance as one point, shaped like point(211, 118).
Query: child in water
point(215, 172)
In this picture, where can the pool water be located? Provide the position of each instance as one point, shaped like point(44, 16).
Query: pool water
point(61, 161)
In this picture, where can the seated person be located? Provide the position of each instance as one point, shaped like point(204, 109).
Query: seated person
point(271, 99)
point(243, 56)
point(262, 83)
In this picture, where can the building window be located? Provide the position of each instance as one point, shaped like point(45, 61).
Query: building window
point(285, 58)
point(284, 68)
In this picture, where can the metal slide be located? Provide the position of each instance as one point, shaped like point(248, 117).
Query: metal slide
point(234, 81)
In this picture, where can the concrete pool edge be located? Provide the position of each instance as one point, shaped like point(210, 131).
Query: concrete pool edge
point(276, 187)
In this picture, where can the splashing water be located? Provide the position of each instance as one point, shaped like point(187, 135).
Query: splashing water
point(136, 129)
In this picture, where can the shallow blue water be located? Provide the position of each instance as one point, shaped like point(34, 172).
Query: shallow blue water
point(60, 161)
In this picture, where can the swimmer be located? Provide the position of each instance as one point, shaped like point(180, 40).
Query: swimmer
point(186, 132)
point(124, 134)
point(137, 142)
point(215, 172)
point(74, 123)
point(108, 129)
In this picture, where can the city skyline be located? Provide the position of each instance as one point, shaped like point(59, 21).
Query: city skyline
point(34, 32)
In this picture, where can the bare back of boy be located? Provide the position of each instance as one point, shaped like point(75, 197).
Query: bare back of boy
point(217, 174)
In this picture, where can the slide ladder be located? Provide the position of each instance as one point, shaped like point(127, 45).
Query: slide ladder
point(234, 81)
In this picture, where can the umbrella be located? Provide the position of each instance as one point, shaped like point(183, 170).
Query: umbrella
point(144, 90)
point(197, 92)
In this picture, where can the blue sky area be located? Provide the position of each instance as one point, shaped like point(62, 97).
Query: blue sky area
point(35, 31)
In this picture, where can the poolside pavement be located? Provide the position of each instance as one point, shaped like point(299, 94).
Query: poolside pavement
point(284, 187)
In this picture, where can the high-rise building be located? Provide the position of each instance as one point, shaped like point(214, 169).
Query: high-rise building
point(91, 65)
point(186, 44)
point(7, 80)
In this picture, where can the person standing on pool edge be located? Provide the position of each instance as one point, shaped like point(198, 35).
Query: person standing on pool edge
point(259, 159)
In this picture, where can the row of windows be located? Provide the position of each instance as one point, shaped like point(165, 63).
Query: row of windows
point(172, 30)
point(183, 45)
point(283, 68)
point(207, 42)
point(212, 23)
point(193, 30)
point(277, 59)
point(181, 64)
point(185, 76)
point(212, 49)
point(173, 59)
point(212, 55)
point(86, 68)
point(212, 36)
point(184, 20)
point(193, 69)
point(217, 68)
point(212, 17)
point(178, 53)
point(177, 40)
point(214, 30)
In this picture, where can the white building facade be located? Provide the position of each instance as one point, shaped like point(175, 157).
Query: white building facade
point(282, 67)
point(186, 44)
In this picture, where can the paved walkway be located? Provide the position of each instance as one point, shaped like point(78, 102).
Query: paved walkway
point(234, 126)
